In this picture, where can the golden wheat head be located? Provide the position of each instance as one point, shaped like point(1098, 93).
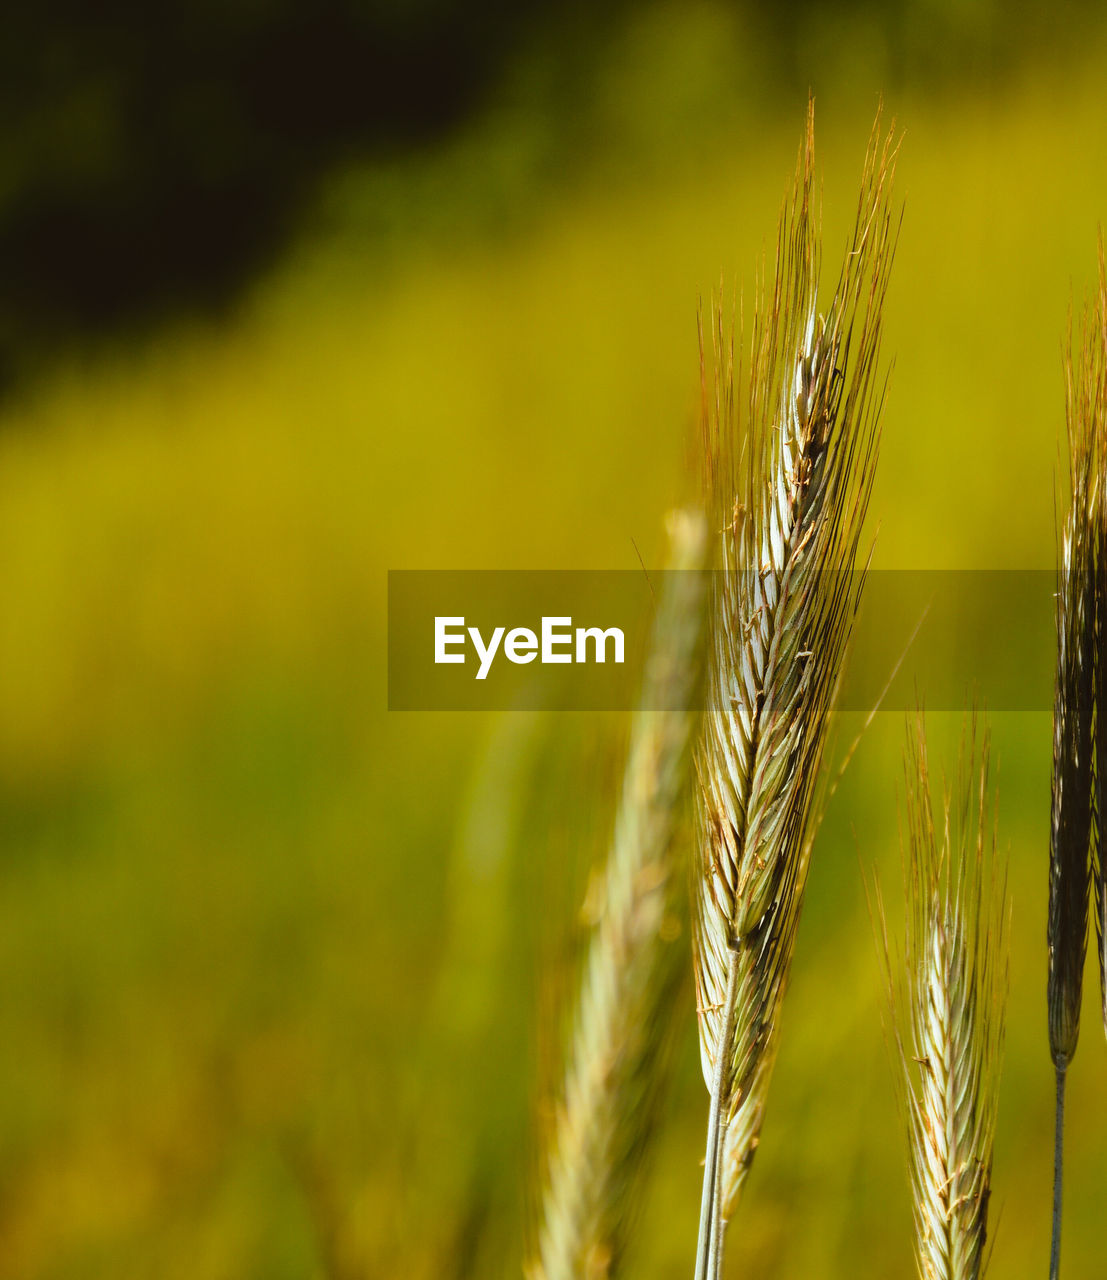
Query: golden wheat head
point(788, 488)
point(632, 967)
point(948, 999)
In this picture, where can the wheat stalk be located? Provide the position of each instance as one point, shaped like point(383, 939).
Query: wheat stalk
point(612, 1078)
point(953, 984)
point(1073, 713)
point(790, 500)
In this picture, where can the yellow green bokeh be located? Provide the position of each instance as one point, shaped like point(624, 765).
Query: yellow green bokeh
point(281, 970)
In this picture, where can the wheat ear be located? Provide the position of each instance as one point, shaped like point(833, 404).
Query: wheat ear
point(1095, 395)
point(953, 985)
point(1073, 714)
point(622, 1016)
point(789, 499)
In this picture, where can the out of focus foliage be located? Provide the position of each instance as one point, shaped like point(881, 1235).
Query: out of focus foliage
point(157, 155)
point(280, 971)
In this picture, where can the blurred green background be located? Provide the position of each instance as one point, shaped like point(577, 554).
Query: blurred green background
point(291, 295)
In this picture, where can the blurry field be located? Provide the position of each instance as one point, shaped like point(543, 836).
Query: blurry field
point(276, 966)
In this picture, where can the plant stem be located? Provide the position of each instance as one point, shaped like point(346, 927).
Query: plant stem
point(708, 1246)
point(1058, 1161)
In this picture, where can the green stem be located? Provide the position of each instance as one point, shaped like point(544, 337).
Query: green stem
point(1058, 1161)
point(709, 1245)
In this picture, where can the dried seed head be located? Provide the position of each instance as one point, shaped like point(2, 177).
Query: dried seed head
point(789, 489)
point(948, 1000)
point(633, 972)
point(1074, 693)
point(1094, 365)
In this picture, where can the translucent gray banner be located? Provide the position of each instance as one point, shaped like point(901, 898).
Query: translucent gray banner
point(500, 640)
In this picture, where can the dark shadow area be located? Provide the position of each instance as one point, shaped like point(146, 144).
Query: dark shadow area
point(153, 157)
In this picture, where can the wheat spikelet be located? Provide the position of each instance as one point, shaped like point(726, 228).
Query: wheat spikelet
point(621, 1018)
point(789, 500)
point(1095, 379)
point(953, 986)
point(1073, 711)
point(1071, 807)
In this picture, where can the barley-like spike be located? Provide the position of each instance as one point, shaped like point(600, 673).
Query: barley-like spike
point(1071, 807)
point(789, 494)
point(1095, 373)
point(621, 1021)
point(1072, 800)
point(947, 1000)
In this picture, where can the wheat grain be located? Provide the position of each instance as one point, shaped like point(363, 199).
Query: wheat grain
point(951, 991)
point(1095, 365)
point(1073, 713)
point(614, 1069)
point(790, 499)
